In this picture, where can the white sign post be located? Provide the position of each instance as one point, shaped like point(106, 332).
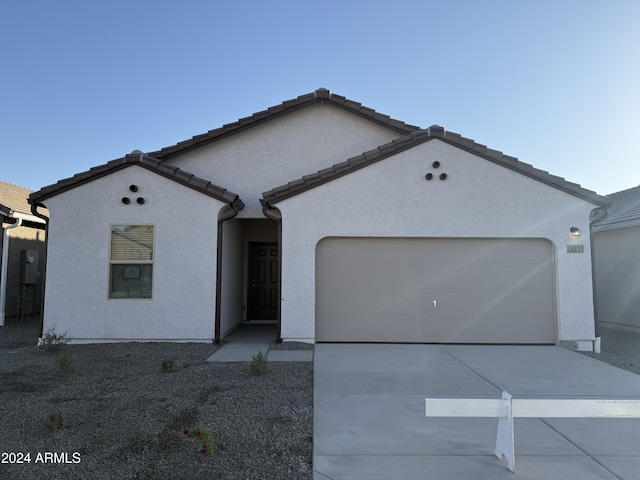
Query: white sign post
point(507, 408)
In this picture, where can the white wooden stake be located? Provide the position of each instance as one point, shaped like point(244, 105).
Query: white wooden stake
point(505, 440)
point(507, 408)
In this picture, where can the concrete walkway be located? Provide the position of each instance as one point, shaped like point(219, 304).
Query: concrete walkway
point(246, 341)
point(369, 414)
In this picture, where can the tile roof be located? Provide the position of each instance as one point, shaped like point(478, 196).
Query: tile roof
point(145, 161)
point(416, 138)
point(14, 198)
point(288, 106)
point(624, 209)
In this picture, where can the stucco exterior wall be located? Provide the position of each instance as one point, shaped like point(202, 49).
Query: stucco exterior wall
point(617, 267)
point(283, 149)
point(182, 307)
point(391, 198)
point(232, 276)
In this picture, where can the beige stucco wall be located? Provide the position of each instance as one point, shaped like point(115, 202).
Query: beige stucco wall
point(392, 199)
point(617, 267)
point(23, 238)
point(283, 149)
point(184, 270)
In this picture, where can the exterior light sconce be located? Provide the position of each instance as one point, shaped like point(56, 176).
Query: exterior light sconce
point(575, 231)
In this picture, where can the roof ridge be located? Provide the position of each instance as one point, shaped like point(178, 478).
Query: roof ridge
point(320, 95)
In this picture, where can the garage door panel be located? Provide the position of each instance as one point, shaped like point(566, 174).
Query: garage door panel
point(486, 290)
point(368, 302)
point(476, 302)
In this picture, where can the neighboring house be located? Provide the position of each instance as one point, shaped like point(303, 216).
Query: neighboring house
point(616, 245)
point(425, 237)
point(22, 244)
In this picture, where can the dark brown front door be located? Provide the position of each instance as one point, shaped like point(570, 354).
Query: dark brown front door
point(263, 282)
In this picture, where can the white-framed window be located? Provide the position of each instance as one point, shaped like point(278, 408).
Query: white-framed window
point(131, 261)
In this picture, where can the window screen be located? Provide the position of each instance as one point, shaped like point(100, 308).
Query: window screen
point(131, 261)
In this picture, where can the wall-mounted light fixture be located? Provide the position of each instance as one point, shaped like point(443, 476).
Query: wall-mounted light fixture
point(575, 231)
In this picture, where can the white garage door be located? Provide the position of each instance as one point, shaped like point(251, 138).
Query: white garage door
point(427, 290)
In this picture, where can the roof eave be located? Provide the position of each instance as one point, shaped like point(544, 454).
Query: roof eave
point(147, 162)
point(413, 139)
point(522, 168)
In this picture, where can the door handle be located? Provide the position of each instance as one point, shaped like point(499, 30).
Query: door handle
point(435, 304)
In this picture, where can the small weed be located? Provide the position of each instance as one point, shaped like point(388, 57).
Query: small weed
point(167, 365)
point(208, 440)
point(258, 364)
point(64, 364)
point(53, 341)
point(56, 421)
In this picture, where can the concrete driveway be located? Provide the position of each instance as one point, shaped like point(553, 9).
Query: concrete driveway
point(369, 418)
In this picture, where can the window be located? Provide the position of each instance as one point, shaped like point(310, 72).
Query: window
point(131, 261)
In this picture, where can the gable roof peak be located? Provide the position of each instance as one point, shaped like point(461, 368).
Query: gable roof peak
point(418, 137)
point(148, 162)
point(321, 95)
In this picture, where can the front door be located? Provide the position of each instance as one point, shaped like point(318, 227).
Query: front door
point(263, 282)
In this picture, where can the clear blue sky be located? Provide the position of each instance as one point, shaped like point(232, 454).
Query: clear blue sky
point(555, 83)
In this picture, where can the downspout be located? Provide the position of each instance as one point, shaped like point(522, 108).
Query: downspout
point(34, 210)
point(236, 206)
point(600, 214)
point(266, 210)
point(3, 273)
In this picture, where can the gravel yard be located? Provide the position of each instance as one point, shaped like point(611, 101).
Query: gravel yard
point(109, 412)
point(114, 414)
point(620, 348)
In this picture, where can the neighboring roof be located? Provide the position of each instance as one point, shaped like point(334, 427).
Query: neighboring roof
point(14, 197)
point(624, 210)
point(322, 95)
point(145, 161)
point(14, 205)
point(416, 138)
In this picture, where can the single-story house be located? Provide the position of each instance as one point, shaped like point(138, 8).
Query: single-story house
point(22, 243)
point(616, 245)
point(425, 237)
